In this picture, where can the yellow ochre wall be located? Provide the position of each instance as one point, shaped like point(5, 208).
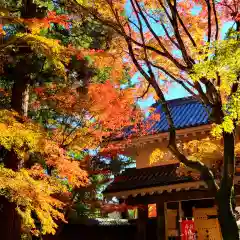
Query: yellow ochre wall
point(142, 151)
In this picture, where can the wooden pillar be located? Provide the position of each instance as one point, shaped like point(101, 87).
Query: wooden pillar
point(180, 213)
point(142, 222)
point(124, 214)
point(161, 228)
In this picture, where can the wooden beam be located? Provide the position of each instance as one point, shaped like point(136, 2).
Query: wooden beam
point(158, 189)
point(161, 136)
point(170, 197)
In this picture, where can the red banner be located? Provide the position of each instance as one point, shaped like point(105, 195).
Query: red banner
point(188, 230)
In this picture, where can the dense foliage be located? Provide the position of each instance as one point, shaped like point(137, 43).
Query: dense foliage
point(59, 89)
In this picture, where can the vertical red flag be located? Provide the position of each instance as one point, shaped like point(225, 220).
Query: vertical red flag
point(188, 230)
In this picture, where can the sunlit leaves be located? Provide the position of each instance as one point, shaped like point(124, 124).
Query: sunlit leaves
point(36, 24)
point(203, 149)
point(71, 119)
point(33, 194)
point(31, 138)
point(32, 190)
point(50, 48)
point(17, 136)
point(222, 69)
point(223, 63)
point(157, 156)
point(113, 108)
point(83, 116)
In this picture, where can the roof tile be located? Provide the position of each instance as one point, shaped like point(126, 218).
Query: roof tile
point(186, 112)
point(133, 178)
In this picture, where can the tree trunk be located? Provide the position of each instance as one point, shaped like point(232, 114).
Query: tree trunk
point(20, 95)
point(226, 217)
point(10, 221)
point(10, 224)
point(225, 194)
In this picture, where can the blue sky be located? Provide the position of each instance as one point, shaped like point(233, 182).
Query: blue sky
point(175, 91)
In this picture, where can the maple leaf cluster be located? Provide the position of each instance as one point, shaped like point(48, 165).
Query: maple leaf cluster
point(36, 24)
point(29, 187)
point(66, 120)
point(48, 171)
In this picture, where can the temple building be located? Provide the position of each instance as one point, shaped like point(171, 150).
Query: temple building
point(170, 206)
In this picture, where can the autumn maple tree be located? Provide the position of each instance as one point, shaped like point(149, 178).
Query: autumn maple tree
point(54, 73)
point(180, 42)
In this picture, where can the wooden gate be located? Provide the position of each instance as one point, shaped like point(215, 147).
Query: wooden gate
point(206, 224)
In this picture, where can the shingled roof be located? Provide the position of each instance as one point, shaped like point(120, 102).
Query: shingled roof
point(133, 178)
point(186, 112)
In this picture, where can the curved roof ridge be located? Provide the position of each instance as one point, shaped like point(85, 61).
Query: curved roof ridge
point(178, 101)
point(153, 167)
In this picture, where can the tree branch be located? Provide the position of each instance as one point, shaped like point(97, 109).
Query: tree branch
point(168, 55)
point(174, 23)
point(145, 92)
point(186, 31)
point(169, 37)
point(209, 20)
point(166, 12)
point(216, 20)
point(175, 79)
point(164, 28)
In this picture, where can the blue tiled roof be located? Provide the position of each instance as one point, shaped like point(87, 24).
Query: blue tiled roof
point(186, 112)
